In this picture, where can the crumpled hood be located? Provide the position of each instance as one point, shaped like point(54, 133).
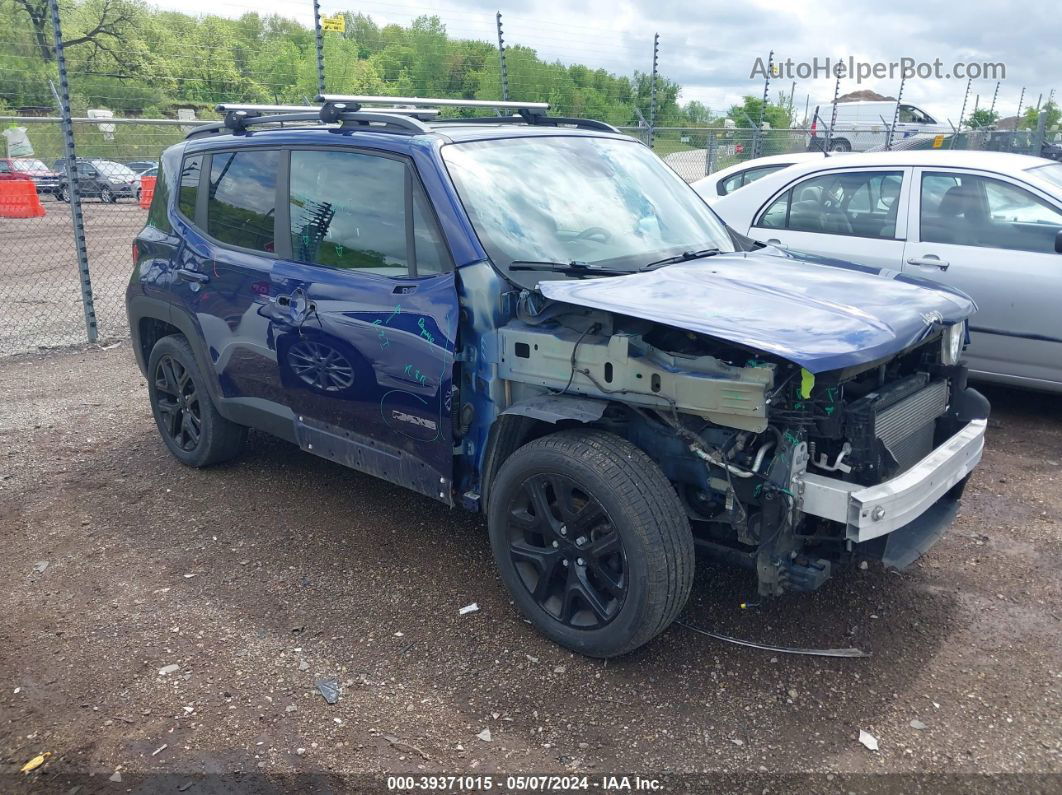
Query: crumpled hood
point(821, 314)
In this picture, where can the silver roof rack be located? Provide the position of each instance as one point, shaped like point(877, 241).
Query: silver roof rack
point(432, 102)
point(229, 107)
point(399, 114)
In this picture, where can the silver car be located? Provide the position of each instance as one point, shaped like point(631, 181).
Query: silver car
point(988, 223)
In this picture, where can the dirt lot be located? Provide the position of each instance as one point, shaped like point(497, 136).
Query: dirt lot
point(40, 290)
point(257, 577)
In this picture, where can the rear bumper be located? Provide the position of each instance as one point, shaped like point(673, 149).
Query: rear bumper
point(869, 512)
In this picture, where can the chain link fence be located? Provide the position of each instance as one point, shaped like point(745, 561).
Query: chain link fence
point(694, 153)
point(134, 79)
point(41, 302)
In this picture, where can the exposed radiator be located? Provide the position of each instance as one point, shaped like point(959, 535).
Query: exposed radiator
point(906, 427)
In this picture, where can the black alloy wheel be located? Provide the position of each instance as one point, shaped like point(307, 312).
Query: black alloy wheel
point(591, 540)
point(194, 431)
point(178, 402)
point(566, 551)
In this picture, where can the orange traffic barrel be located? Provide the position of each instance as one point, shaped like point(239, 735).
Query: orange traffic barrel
point(18, 199)
point(147, 191)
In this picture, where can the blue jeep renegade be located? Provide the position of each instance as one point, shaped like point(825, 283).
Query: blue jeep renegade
point(533, 317)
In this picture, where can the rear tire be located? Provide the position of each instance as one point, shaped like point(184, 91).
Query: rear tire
point(187, 419)
point(107, 196)
point(840, 145)
point(591, 540)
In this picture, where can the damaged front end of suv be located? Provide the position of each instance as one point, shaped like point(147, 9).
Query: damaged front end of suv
point(807, 412)
point(783, 464)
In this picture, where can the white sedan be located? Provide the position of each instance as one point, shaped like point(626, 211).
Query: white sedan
point(988, 223)
point(729, 179)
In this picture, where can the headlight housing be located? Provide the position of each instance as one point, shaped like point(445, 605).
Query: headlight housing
point(951, 343)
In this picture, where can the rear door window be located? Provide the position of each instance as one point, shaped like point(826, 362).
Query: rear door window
point(241, 202)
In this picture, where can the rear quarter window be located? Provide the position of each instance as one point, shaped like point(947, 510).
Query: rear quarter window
point(157, 215)
point(188, 185)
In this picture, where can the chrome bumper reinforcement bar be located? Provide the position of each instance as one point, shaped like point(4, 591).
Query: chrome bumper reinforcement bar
point(872, 511)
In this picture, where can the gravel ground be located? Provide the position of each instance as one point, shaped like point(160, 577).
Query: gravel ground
point(257, 577)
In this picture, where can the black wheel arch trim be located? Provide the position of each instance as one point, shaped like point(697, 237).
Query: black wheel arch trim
point(554, 408)
point(525, 421)
point(244, 411)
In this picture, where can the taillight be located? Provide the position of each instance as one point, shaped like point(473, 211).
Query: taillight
point(136, 252)
point(814, 125)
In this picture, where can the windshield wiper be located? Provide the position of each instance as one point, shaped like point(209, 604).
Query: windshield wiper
point(685, 256)
point(573, 268)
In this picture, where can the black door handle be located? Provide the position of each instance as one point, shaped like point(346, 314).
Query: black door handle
point(189, 275)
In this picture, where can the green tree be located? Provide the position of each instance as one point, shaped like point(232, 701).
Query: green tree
point(982, 117)
point(131, 57)
point(1030, 119)
point(747, 114)
point(360, 29)
point(101, 24)
point(697, 113)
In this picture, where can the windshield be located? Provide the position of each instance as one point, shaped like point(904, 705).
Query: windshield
point(601, 201)
point(1052, 173)
point(111, 169)
point(29, 164)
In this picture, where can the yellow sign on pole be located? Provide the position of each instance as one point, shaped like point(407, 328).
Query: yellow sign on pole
point(334, 24)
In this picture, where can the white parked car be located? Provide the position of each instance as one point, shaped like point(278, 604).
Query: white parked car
point(987, 223)
point(727, 180)
point(860, 126)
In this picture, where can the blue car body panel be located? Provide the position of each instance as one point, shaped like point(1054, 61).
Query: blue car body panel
point(822, 315)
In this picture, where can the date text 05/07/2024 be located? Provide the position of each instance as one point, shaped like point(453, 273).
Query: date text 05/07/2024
point(523, 783)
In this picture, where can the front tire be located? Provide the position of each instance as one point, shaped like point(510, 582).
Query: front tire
point(591, 540)
point(186, 417)
point(840, 145)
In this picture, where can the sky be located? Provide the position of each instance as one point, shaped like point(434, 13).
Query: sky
point(710, 47)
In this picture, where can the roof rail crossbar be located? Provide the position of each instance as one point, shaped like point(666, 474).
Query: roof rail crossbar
point(534, 120)
point(241, 117)
point(228, 107)
point(348, 110)
point(258, 110)
point(420, 102)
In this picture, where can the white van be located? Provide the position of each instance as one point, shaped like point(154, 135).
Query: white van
point(863, 125)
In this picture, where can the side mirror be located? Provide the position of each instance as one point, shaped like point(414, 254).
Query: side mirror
point(1058, 242)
